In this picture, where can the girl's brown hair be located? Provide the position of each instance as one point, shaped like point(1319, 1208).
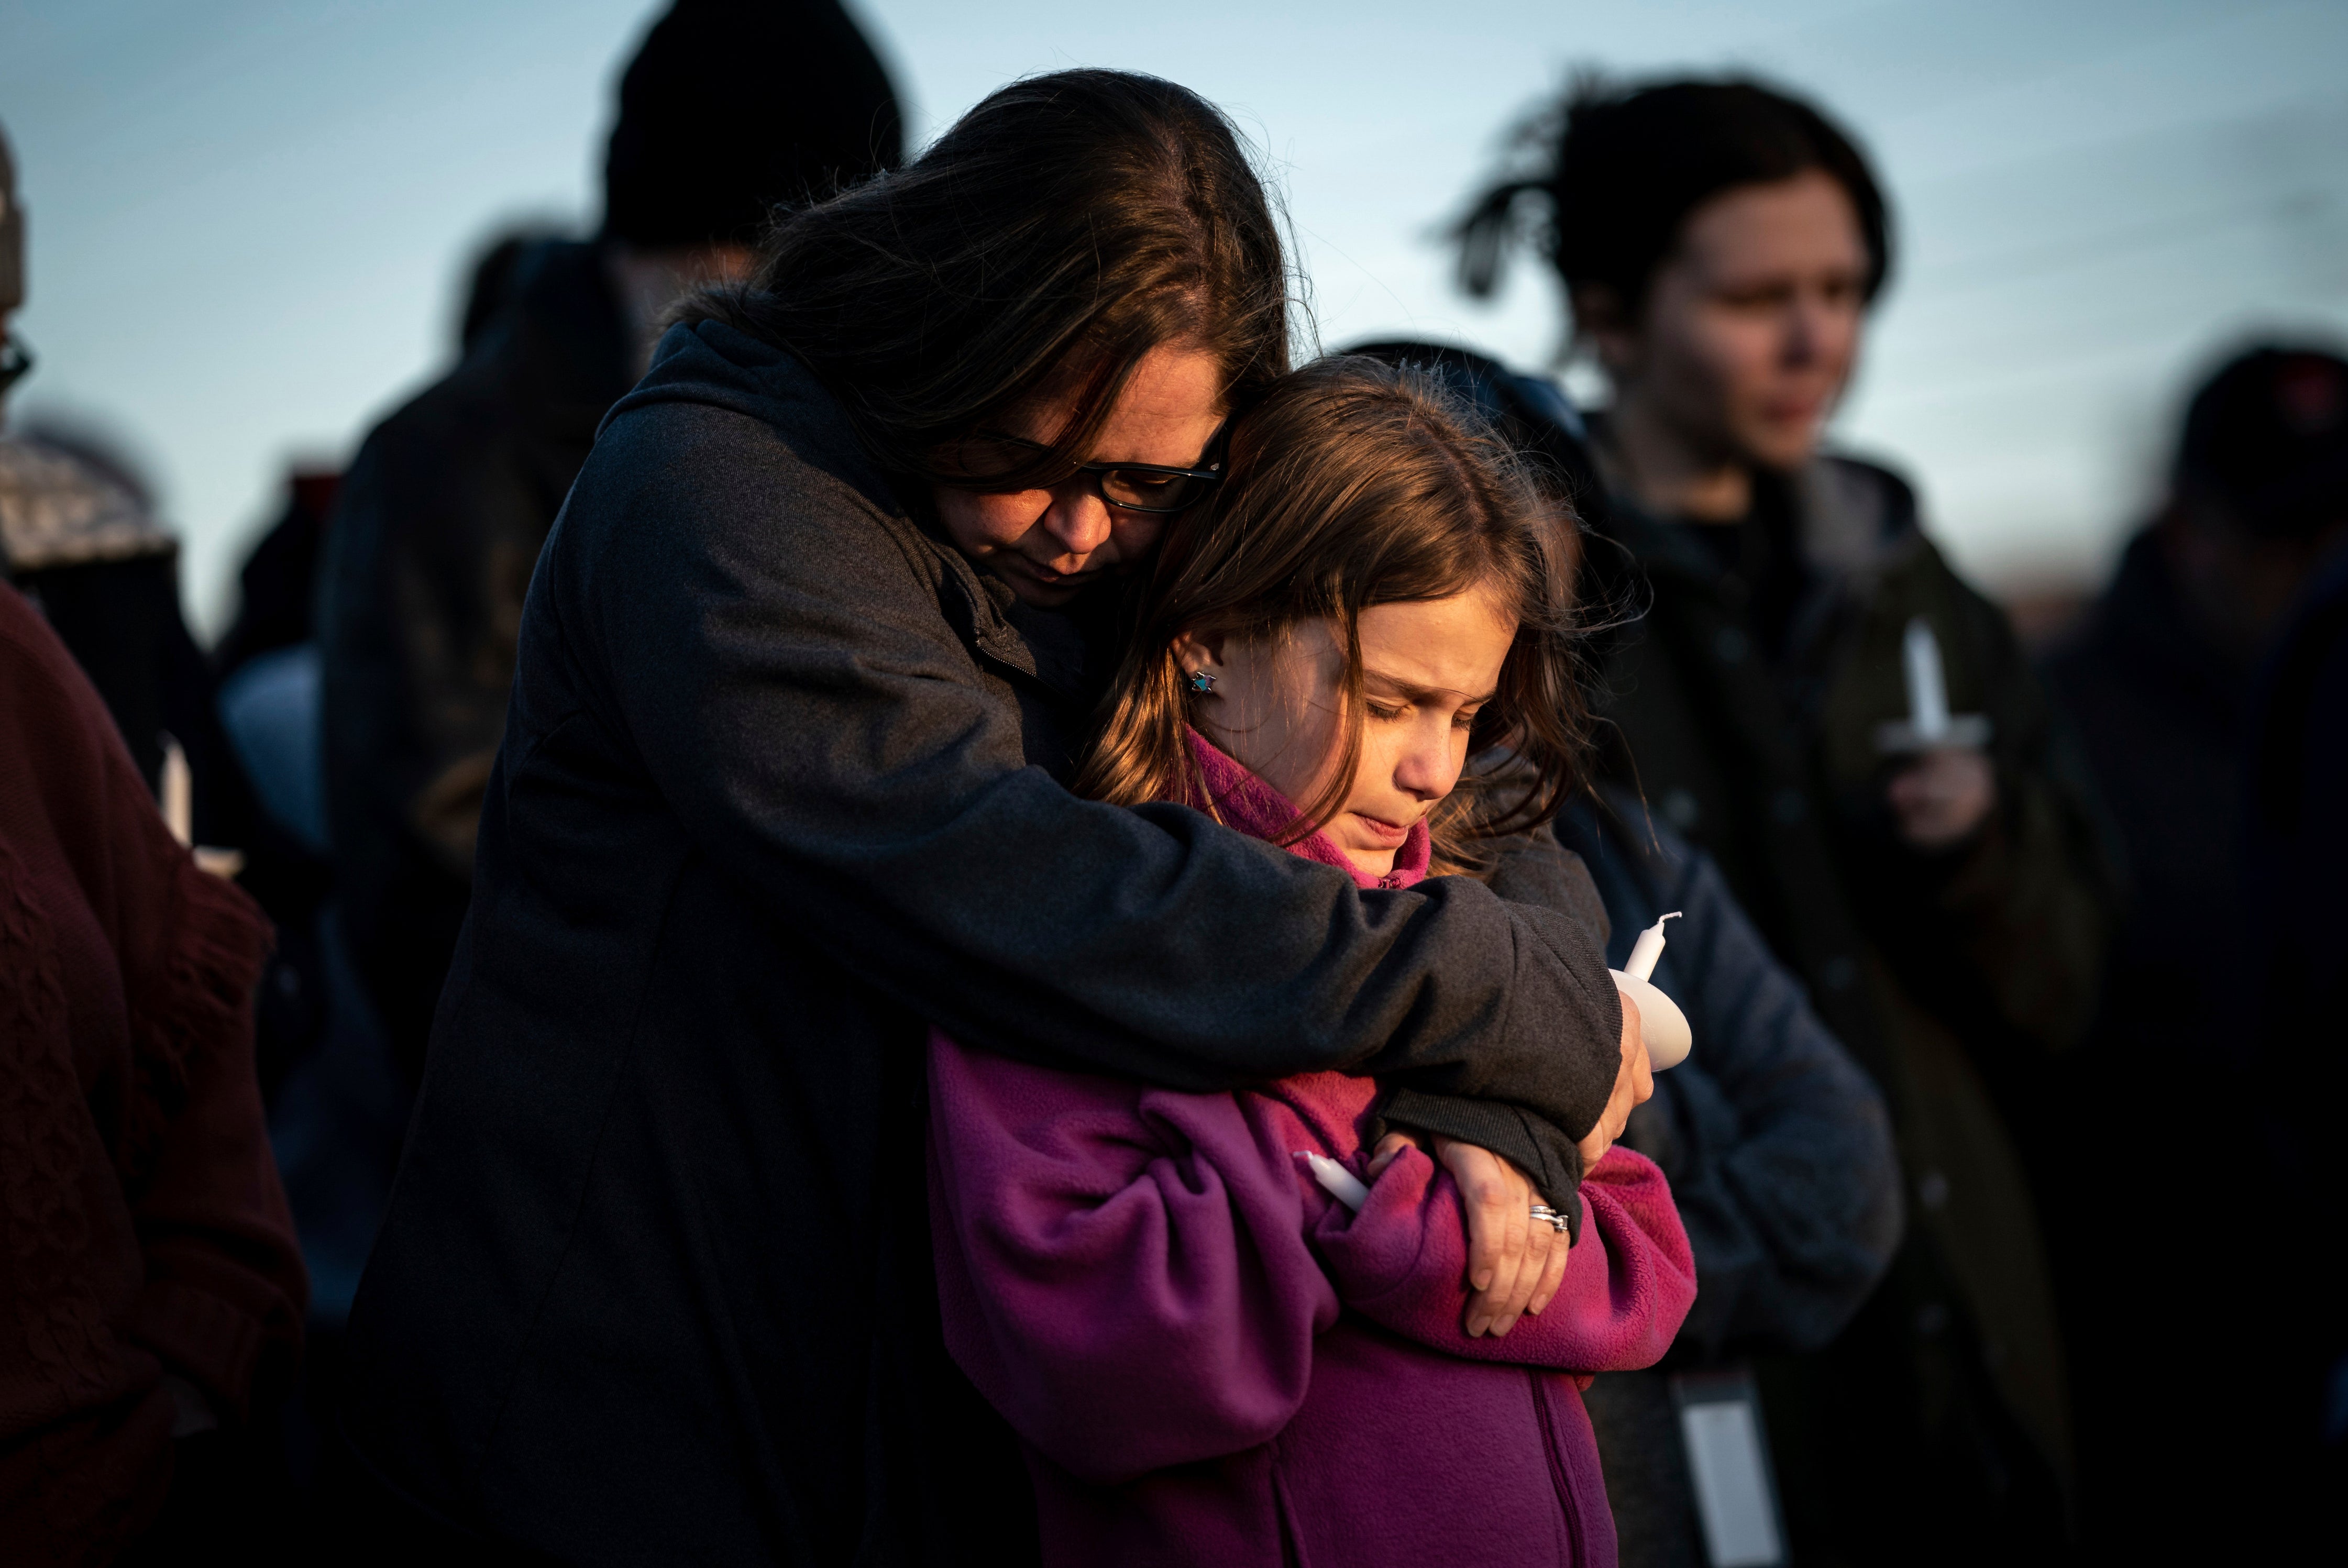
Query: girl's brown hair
point(1053, 236)
point(1352, 484)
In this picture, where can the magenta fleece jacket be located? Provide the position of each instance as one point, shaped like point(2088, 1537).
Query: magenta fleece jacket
point(1213, 1362)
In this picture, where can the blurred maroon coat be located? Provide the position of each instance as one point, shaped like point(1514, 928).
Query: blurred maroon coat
point(143, 1227)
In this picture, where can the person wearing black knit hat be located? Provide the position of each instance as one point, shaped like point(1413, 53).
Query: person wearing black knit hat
point(2261, 489)
point(2162, 680)
point(728, 111)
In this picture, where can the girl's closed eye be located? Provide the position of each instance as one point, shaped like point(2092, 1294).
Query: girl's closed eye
point(1377, 589)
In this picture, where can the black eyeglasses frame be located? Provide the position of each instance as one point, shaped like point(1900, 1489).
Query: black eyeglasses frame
point(1209, 477)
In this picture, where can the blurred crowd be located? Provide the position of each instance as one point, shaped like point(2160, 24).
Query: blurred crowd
point(2009, 1164)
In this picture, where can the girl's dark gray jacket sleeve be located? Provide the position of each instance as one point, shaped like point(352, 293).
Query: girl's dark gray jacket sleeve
point(1777, 1145)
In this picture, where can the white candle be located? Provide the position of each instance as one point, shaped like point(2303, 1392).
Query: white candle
point(1660, 1023)
point(1340, 1183)
point(179, 793)
point(1927, 689)
point(1647, 950)
point(1930, 726)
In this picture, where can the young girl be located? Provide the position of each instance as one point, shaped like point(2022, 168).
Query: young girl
point(1211, 1358)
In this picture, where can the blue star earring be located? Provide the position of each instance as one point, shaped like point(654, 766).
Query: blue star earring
point(1202, 683)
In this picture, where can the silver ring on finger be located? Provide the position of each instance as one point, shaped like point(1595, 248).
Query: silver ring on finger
point(1543, 1212)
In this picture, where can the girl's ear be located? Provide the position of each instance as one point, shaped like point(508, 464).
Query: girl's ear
point(1195, 656)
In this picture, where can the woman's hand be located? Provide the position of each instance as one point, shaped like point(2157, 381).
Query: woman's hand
point(1942, 796)
point(1515, 1264)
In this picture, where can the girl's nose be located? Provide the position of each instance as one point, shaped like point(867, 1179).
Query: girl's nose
point(1428, 765)
point(1078, 522)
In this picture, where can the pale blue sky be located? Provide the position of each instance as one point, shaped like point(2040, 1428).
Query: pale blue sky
point(248, 218)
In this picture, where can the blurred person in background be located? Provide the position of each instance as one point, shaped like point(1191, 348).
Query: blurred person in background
point(277, 586)
point(2161, 680)
point(79, 538)
point(1776, 1144)
point(1720, 244)
point(729, 109)
point(2293, 1469)
point(336, 1101)
point(269, 675)
point(150, 1292)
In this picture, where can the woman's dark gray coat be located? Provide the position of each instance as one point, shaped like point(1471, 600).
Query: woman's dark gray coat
point(655, 1281)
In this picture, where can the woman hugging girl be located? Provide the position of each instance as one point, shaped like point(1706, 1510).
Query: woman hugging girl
point(1209, 1357)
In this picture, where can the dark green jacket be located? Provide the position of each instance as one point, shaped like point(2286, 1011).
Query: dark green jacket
point(1941, 1417)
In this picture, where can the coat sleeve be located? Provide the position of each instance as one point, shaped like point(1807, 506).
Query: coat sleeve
point(800, 685)
point(1121, 1270)
point(1402, 1262)
point(1778, 1145)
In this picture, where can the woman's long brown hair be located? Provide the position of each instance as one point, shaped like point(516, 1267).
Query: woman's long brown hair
point(1058, 231)
point(1352, 484)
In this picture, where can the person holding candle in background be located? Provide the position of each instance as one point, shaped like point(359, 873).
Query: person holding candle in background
point(1921, 850)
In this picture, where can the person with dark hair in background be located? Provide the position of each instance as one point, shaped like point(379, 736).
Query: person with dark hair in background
point(277, 586)
point(489, 284)
point(268, 670)
point(810, 653)
point(150, 1293)
point(2294, 1467)
point(1776, 1144)
point(729, 111)
point(1936, 881)
point(2160, 679)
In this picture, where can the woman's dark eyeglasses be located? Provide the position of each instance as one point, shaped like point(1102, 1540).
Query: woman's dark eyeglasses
point(1130, 487)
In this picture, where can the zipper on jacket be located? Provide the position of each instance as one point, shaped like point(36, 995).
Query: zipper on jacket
point(1291, 1533)
point(1557, 1472)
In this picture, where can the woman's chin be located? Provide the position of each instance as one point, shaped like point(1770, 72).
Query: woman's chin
point(1040, 592)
